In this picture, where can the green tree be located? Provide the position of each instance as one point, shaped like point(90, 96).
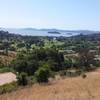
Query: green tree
point(22, 79)
point(42, 74)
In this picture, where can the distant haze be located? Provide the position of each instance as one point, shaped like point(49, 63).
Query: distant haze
point(48, 32)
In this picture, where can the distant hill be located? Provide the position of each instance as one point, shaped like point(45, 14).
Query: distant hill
point(45, 32)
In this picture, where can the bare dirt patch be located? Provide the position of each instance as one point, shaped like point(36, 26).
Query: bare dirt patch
point(7, 78)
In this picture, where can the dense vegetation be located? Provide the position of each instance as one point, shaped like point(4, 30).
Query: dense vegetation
point(38, 58)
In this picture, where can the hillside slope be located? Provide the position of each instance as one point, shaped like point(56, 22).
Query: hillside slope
point(63, 89)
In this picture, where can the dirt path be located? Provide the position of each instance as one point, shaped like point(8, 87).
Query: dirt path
point(7, 78)
point(64, 89)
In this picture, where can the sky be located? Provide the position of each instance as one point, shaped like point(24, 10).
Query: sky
point(61, 14)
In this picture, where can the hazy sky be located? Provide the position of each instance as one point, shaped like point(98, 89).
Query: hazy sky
point(63, 14)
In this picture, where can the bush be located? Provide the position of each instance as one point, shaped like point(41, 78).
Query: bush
point(42, 74)
point(8, 87)
point(22, 79)
point(4, 69)
point(25, 65)
point(97, 64)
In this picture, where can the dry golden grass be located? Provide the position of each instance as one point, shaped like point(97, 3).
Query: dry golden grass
point(64, 89)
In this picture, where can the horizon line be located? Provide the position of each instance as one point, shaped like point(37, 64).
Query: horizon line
point(49, 28)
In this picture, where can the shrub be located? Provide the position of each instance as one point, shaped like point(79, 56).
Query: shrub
point(42, 74)
point(22, 79)
point(8, 87)
point(97, 64)
point(26, 65)
point(6, 69)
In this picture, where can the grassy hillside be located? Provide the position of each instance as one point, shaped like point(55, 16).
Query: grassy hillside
point(63, 89)
point(36, 59)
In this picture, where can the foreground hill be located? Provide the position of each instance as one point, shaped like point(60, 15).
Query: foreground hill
point(63, 89)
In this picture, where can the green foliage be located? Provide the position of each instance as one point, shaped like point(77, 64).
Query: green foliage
point(42, 74)
point(20, 45)
point(97, 63)
point(22, 79)
point(39, 57)
point(30, 62)
point(24, 65)
point(4, 69)
point(8, 87)
point(68, 63)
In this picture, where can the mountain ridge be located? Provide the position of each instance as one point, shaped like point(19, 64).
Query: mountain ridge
point(44, 31)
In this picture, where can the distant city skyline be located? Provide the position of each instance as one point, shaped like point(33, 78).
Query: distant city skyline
point(58, 14)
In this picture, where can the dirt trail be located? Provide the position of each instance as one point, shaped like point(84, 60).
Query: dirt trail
point(64, 89)
point(7, 78)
